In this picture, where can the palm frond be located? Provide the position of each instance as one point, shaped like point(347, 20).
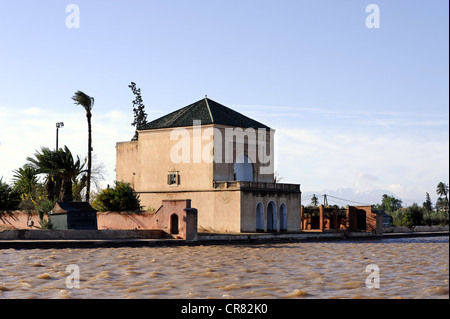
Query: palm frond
point(81, 98)
point(60, 163)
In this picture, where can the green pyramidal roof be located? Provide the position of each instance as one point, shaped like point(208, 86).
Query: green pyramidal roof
point(208, 112)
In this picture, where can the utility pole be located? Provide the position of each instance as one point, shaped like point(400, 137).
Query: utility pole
point(325, 200)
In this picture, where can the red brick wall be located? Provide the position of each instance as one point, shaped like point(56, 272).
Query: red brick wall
point(331, 220)
point(161, 219)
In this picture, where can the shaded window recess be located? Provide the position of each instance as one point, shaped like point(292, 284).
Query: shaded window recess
point(173, 178)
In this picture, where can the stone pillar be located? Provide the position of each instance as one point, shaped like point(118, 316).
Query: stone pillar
point(347, 218)
point(191, 222)
point(379, 221)
point(335, 218)
point(351, 218)
point(321, 208)
point(302, 220)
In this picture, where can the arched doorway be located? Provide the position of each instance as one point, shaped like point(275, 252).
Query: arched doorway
point(271, 216)
point(259, 217)
point(283, 217)
point(243, 169)
point(174, 224)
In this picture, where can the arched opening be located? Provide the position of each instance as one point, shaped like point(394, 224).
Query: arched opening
point(271, 216)
point(243, 169)
point(283, 217)
point(259, 217)
point(174, 224)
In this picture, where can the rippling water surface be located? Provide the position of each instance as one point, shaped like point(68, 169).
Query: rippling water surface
point(412, 268)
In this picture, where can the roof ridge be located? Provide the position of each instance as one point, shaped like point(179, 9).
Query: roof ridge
point(206, 110)
point(209, 109)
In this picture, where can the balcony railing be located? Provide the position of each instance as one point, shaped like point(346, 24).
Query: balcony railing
point(256, 186)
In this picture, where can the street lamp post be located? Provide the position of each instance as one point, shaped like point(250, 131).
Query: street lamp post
point(58, 126)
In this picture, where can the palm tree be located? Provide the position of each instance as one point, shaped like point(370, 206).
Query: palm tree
point(25, 179)
point(442, 190)
point(60, 164)
point(87, 102)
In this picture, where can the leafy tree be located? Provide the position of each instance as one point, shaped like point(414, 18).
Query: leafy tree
point(140, 117)
point(9, 197)
point(61, 164)
point(433, 218)
point(314, 200)
point(97, 176)
point(428, 205)
point(410, 216)
point(87, 102)
point(416, 213)
point(121, 197)
point(30, 201)
point(390, 203)
point(441, 204)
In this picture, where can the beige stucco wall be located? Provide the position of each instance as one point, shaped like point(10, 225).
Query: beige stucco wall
point(249, 201)
point(127, 168)
point(227, 211)
point(217, 210)
point(232, 210)
point(146, 163)
point(155, 161)
point(223, 169)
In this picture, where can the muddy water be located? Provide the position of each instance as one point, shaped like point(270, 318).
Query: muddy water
point(415, 268)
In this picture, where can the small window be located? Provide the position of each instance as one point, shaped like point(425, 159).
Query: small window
point(173, 178)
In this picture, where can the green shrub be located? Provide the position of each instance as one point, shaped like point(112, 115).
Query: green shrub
point(432, 218)
point(410, 216)
point(120, 198)
point(45, 207)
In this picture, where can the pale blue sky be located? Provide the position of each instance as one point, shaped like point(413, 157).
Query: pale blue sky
point(354, 107)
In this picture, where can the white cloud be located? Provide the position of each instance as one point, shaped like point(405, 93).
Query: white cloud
point(406, 164)
point(114, 114)
point(367, 176)
point(33, 111)
point(353, 117)
point(23, 133)
point(323, 148)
